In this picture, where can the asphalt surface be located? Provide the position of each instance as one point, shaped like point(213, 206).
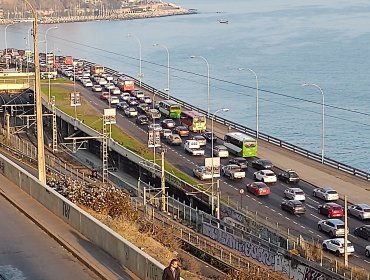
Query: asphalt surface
point(312, 174)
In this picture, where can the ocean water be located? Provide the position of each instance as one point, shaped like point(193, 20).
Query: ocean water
point(285, 42)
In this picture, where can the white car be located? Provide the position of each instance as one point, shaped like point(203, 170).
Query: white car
point(154, 126)
point(87, 82)
point(220, 151)
point(96, 88)
point(361, 211)
point(326, 193)
point(295, 194)
point(266, 176)
point(113, 100)
point(367, 251)
point(130, 112)
point(115, 91)
point(109, 86)
point(336, 246)
point(202, 173)
point(102, 82)
point(125, 96)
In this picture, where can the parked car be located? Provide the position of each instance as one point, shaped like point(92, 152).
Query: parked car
point(142, 119)
point(334, 227)
point(201, 140)
point(266, 176)
point(262, 164)
point(130, 112)
point(294, 207)
point(210, 136)
point(220, 151)
point(154, 126)
point(132, 101)
point(326, 193)
point(174, 139)
point(242, 162)
point(289, 176)
point(336, 246)
point(258, 188)
point(361, 211)
point(122, 105)
point(168, 123)
point(165, 133)
point(183, 131)
point(96, 88)
point(295, 194)
point(104, 95)
point(363, 232)
point(331, 209)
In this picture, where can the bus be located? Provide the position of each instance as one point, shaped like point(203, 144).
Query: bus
point(170, 109)
point(96, 69)
point(195, 121)
point(240, 144)
point(125, 84)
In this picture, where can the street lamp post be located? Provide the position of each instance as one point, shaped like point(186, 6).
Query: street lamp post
point(322, 120)
point(208, 82)
point(212, 156)
point(168, 68)
point(46, 57)
point(257, 100)
point(139, 42)
point(6, 44)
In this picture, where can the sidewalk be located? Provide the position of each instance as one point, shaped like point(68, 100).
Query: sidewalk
point(86, 252)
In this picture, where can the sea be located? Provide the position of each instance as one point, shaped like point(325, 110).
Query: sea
point(285, 42)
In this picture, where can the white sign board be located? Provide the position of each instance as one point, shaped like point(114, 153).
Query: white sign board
point(110, 116)
point(75, 99)
point(154, 138)
point(216, 165)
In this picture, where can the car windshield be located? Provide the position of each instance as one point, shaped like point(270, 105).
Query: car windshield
point(367, 210)
point(299, 192)
point(340, 226)
point(332, 192)
point(337, 208)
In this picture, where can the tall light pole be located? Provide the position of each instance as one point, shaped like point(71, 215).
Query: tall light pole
point(6, 43)
point(208, 84)
point(168, 68)
point(140, 75)
point(39, 123)
point(322, 120)
point(46, 57)
point(212, 156)
point(257, 99)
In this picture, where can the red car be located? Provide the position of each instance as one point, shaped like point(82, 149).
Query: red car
point(183, 131)
point(258, 188)
point(331, 209)
point(104, 95)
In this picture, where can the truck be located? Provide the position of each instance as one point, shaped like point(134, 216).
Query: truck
point(193, 147)
point(233, 171)
point(68, 60)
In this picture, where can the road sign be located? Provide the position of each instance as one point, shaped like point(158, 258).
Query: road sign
point(216, 165)
point(75, 99)
point(110, 116)
point(241, 191)
point(154, 138)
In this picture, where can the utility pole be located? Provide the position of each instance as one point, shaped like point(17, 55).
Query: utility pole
point(39, 123)
point(345, 232)
point(163, 182)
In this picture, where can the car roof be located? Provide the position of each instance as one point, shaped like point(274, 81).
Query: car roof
point(267, 171)
point(295, 189)
point(332, 204)
point(335, 221)
point(363, 205)
point(260, 184)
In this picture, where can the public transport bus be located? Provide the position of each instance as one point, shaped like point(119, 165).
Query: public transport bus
point(195, 121)
point(170, 109)
point(96, 69)
point(125, 84)
point(240, 144)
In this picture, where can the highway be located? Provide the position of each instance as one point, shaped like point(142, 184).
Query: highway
point(268, 207)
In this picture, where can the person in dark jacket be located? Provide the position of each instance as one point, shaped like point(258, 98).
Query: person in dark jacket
point(172, 272)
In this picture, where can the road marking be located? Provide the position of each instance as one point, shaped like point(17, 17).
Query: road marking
point(254, 199)
point(303, 227)
point(280, 214)
point(273, 210)
point(313, 200)
point(287, 218)
point(308, 205)
point(310, 231)
point(295, 222)
point(366, 261)
point(265, 205)
point(356, 256)
point(316, 217)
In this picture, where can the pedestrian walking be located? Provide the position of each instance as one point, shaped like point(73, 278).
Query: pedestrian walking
point(172, 272)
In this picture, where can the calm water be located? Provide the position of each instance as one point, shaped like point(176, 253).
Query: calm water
point(285, 42)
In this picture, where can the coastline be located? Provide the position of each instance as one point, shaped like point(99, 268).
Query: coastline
point(155, 10)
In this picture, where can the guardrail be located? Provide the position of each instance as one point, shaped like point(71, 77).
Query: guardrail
point(270, 139)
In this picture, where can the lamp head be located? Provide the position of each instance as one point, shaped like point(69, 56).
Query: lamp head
point(193, 56)
point(225, 109)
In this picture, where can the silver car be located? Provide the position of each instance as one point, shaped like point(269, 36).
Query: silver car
point(326, 193)
point(334, 227)
point(295, 194)
point(361, 211)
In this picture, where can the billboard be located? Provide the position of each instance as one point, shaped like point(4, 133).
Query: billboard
point(75, 99)
point(154, 138)
point(110, 116)
point(216, 165)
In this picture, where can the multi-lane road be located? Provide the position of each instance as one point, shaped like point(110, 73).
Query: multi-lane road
point(268, 207)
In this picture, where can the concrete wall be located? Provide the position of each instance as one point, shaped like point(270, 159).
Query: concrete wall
point(140, 263)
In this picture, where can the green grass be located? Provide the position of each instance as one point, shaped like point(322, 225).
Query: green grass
point(56, 81)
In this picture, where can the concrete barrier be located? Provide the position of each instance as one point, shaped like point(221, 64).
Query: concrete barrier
point(127, 254)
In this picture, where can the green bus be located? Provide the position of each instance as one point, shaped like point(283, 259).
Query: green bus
point(240, 144)
point(170, 109)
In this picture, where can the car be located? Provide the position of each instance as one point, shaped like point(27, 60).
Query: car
point(181, 130)
point(102, 82)
point(233, 171)
point(363, 232)
point(125, 96)
point(137, 93)
point(202, 173)
point(165, 132)
point(295, 194)
point(146, 99)
point(326, 193)
point(201, 140)
point(361, 211)
point(220, 151)
point(113, 100)
point(132, 101)
point(258, 188)
point(242, 162)
point(87, 83)
point(266, 176)
point(367, 251)
point(143, 108)
point(130, 112)
point(210, 136)
point(168, 123)
point(142, 119)
point(262, 164)
point(153, 114)
point(336, 246)
point(104, 95)
point(96, 88)
point(334, 227)
point(115, 91)
point(289, 176)
point(294, 207)
point(122, 105)
point(154, 126)
point(109, 86)
point(174, 139)
point(331, 209)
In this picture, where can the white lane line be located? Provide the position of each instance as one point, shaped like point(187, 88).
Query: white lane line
point(273, 210)
point(303, 227)
point(356, 256)
point(316, 217)
point(310, 231)
point(280, 214)
point(260, 202)
point(287, 218)
point(247, 195)
point(265, 205)
point(354, 236)
point(312, 207)
point(366, 261)
point(313, 200)
point(254, 199)
point(295, 222)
